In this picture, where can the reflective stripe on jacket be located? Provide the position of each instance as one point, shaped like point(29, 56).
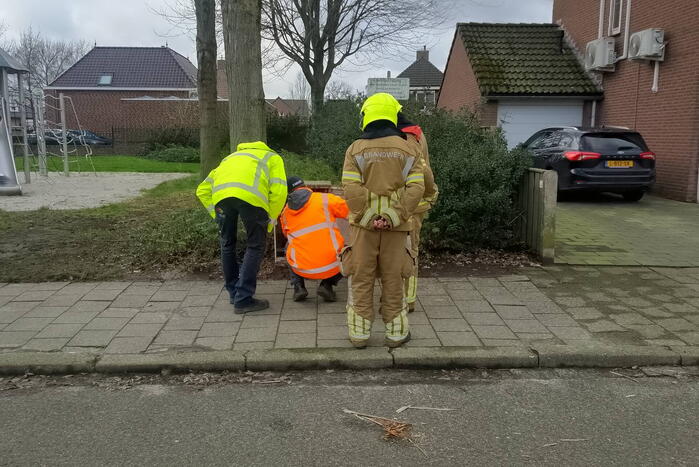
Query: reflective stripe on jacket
point(254, 174)
point(314, 239)
point(429, 198)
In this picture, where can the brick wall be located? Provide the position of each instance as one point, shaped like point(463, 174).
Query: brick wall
point(459, 88)
point(668, 119)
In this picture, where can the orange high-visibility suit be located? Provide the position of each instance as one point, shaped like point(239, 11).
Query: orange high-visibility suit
point(314, 239)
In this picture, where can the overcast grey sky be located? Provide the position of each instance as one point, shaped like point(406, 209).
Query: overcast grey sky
point(131, 22)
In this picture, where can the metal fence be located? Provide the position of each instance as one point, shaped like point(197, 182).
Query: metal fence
point(537, 204)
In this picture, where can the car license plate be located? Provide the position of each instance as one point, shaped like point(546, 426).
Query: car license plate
point(619, 163)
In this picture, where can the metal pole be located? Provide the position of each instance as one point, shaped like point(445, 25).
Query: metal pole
point(23, 123)
point(3, 85)
point(40, 135)
point(64, 135)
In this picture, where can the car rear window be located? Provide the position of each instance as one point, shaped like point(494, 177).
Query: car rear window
point(611, 143)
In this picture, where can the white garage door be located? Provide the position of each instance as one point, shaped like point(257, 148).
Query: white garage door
point(520, 120)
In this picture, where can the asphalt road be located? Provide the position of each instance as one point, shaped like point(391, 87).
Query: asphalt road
point(563, 417)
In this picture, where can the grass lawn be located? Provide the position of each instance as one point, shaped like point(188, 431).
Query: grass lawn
point(116, 164)
point(164, 230)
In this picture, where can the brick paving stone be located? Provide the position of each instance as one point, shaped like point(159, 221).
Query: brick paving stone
point(29, 324)
point(413, 342)
point(18, 306)
point(525, 325)
point(106, 324)
point(556, 320)
point(260, 321)
point(195, 311)
point(483, 319)
point(168, 296)
point(459, 339)
point(584, 313)
point(416, 317)
point(127, 345)
point(513, 312)
point(570, 332)
point(691, 338)
point(676, 324)
point(198, 300)
point(681, 308)
point(154, 307)
point(484, 281)
point(177, 338)
point(150, 318)
point(219, 329)
point(70, 317)
point(46, 345)
point(599, 297)
point(502, 343)
point(464, 295)
point(119, 313)
point(92, 338)
point(141, 289)
point(544, 308)
point(102, 294)
point(637, 302)
point(295, 341)
point(62, 300)
point(450, 324)
point(604, 325)
point(33, 296)
point(140, 330)
point(130, 301)
point(298, 327)
point(330, 308)
point(46, 312)
point(418, 331)
point(8, 317)
point(222, 316)
point(114, 285)
point(442, 312)
point(13, 339)
point(257, 335)
point(339, 343)
point(59, 330)
point(332, 320)
point(655, 313)
point(692, 318)
point(647, 330)
point(630, 318)
point(570, 301)
point(253, 345)
point(333, 332)
point(216, 343)
point(91, 306)
point(535, 336)
point(665, 342)
point(432, 301)
point(474, 306)
point(180, 323)
point(494, 332)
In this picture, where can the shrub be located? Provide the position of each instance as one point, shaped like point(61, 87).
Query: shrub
point(477, 178)
point(172, 136)
point(174, 153)
point(307, 167)
point(333, 128)
point(287, 132)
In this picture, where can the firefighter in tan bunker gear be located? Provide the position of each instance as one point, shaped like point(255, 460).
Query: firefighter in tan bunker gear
point(414, 133)
point(383, 178)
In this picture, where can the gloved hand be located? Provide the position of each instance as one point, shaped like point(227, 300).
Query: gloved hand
point(381, 223)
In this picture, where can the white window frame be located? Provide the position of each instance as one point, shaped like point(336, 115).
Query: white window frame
point(615, 31)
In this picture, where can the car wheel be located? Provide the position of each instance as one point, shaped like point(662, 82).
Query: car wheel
point(635, 195)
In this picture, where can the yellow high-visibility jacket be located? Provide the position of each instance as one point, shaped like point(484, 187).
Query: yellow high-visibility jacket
point(253, 173)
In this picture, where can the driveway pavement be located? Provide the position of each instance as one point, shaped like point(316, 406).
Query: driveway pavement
point(605, 230)
point(558, 305)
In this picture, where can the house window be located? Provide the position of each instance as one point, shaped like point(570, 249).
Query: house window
point(105, 80)
point(615, 10)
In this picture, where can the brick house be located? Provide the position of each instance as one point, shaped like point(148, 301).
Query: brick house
point(667, 115)
point(120, 91)
point(425, 78)
point(520, 77)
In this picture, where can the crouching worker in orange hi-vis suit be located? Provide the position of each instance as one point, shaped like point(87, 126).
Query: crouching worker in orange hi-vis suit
point(384, 181)
point(314, 241)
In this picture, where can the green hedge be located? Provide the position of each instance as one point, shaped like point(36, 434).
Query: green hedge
point(333, 129)
point(173, 153)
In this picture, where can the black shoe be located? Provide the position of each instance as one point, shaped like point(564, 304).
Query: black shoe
point(300, 293)
point(326, 291)
point(254, 305)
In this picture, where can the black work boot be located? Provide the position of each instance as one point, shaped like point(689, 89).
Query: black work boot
point(255, 304)
point(326, 291)
point(300, 293)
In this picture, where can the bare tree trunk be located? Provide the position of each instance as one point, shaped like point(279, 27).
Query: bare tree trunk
point(317, 96)
point(246, 103)
point(206, 83)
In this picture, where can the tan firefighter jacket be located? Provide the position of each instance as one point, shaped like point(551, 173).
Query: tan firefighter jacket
point(383, 177)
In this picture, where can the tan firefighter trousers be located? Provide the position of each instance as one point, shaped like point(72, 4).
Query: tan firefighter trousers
point(385, 255)
point(411, 282)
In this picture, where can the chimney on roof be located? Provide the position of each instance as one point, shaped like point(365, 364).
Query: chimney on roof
point(424, 53)
point(388, 74)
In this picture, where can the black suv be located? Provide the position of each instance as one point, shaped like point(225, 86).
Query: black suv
point(608, 159)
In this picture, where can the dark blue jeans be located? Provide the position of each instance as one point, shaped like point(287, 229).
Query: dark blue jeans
point(241, 281)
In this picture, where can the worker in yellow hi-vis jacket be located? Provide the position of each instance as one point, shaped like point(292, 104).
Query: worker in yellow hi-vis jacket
point(250, 184)
point(383, 179)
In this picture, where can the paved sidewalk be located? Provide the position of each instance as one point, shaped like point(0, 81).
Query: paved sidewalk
point(557, 305)
point(602, 230)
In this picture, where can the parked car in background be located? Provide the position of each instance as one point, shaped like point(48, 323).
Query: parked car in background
point(88, 137)
point(614, 160)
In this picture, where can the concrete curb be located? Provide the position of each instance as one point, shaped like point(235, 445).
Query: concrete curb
point(541, 356)
point(464, 357)
point(44, 363)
